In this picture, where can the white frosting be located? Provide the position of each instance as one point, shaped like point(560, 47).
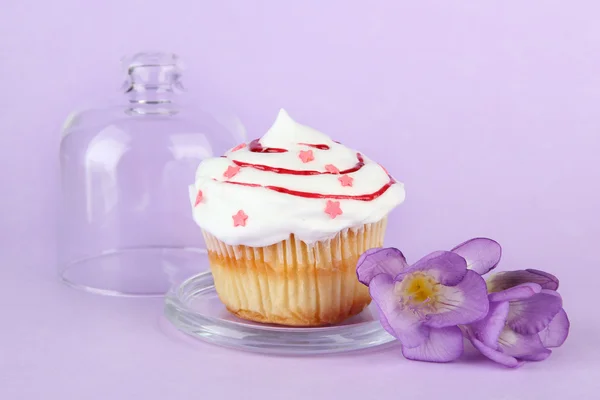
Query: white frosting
point(272, 215)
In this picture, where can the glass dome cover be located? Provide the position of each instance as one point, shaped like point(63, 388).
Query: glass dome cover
point(125, 220)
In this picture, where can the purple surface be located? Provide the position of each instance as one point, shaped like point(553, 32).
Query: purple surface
point(488, 111)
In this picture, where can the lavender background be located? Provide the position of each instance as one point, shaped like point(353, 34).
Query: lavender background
point(488, 111)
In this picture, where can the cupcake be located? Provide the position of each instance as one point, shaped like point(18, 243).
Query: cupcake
point(285, 218)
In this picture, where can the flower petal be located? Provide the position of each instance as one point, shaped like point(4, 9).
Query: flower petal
point(445, 267)
point(482, 254)
point(544, 279)
point(488, 329)
point(532, 315)
point(524, 347)
point(557, 331)
point(443, 345)
point(389, 261)
point(522, 291)
point(398, 322)
point(461, 304)
point(508, 279)
point(495, 355)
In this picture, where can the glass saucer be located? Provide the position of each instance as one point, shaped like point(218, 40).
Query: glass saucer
point(194, 308)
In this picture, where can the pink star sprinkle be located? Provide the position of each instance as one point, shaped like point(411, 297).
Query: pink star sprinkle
point(231, 171)
point(199, 198)
point(238, 147)
point(240, 218)
point(346, 180)
point(306, 156)
point(333, 209)
point(332, 169)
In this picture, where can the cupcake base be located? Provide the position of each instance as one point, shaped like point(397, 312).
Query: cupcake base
point(294, 283)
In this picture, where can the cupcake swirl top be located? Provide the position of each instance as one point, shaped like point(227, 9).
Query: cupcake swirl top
point(294, 180)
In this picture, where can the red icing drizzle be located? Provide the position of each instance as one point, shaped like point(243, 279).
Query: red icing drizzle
point(256, 147)
point(316, 146)
point(360, 163)
point(311, 195)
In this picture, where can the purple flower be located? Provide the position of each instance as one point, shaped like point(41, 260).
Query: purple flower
point(426, 305)
point(423, 304)
point(525, 318)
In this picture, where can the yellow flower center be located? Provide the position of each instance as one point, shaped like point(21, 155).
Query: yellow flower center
point(418, 289)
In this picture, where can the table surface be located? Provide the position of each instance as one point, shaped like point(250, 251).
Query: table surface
point(58, 342)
